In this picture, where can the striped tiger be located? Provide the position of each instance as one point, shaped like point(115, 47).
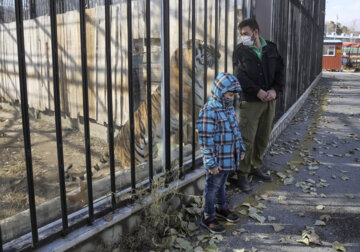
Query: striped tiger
point(122, 140)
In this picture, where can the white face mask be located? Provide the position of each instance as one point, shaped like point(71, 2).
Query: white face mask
point(246, 40)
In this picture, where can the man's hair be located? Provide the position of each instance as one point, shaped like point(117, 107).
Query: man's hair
point(251, 22)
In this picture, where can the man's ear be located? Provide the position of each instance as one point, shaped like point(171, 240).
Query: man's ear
point(256, 32)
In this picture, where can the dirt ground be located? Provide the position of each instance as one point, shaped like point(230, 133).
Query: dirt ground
point(13, 183)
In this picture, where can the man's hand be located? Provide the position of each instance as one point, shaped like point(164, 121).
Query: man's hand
point(242, 157)
point(271, 95)
point(262, 95)
point(215, 171)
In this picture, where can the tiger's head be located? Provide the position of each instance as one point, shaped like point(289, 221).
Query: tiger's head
point(211, 55)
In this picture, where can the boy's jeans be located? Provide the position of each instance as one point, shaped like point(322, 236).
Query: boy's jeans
point(214, 192)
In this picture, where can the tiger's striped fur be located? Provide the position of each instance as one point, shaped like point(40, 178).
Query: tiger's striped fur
point(122, 140)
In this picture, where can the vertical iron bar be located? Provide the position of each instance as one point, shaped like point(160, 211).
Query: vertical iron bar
point(148, 88)
point(32, 9)
point(165, 84)
point(1, 242)
point(193, 36)
point(86, 109)
point(181, 132)
point(109, 101)
point(59, 140)
point(25, 118)
point(226, 33)
point(216, 35)
point(235, 41)
point(205, 50)
point(235, 25)
point(131, 95)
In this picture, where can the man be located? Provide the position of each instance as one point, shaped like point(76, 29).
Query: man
point(260, 70)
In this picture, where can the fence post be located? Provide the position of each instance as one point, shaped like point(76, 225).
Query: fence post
point(226, 33)
point(216, 35)
point(86, 109)
point(25, 118)
point(193, 37)
point(59, 140)
point(131, 95)
point(1, 242)
point(165, 84)
point(205, 50)
point(109, 102)
point(148, 88)
point(181, 131)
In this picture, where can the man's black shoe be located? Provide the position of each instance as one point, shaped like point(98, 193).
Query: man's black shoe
point(212, 225)
point(258, 173)
point(227, 215)
point(243, 184)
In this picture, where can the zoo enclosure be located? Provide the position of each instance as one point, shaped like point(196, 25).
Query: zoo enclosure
point(296, 26)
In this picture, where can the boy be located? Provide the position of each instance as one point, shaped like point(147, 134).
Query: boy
point(222, 146)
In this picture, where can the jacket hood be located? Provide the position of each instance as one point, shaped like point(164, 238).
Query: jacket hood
point(223, 83)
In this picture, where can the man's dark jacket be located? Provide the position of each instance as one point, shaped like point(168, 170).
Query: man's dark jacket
point(255, 74)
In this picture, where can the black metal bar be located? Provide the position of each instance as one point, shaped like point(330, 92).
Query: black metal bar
point(165, 85)
point(25, 118)
point(148, 88)
point(86, 110)
point(216, 35)
point(32, 9)
point(109, 101)
point(1, 242)
point(59, 140)
point(235, 41)
point(205, 50)
point(245, 9)
point(235, 25)
point(226, 33)
point(181, 132)
point(193, 36)
point(131, 95)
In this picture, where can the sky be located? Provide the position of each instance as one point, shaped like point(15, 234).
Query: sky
point(348, 12)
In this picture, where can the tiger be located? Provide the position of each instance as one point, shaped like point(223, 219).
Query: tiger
point(122, 140)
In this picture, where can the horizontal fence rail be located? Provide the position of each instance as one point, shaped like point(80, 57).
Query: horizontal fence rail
point(139, 84)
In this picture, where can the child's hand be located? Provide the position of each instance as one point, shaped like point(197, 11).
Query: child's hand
point(242, 157)
point(215, 171)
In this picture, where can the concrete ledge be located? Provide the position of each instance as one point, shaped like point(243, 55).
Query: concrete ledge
point(124, 220)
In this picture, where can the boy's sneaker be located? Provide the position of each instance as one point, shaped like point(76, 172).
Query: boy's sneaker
point(227, 215)
point(212, 225)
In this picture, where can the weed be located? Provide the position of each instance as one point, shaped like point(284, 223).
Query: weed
point(167, 225)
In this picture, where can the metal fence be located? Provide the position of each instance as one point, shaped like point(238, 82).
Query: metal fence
point(286, 32)
point(297, 29)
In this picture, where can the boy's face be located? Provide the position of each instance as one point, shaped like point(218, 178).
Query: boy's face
point(230, 95)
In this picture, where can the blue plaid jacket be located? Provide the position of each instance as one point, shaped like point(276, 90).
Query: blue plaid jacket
point(219, 136)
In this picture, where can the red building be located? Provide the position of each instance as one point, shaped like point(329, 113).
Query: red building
point(332, 55)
